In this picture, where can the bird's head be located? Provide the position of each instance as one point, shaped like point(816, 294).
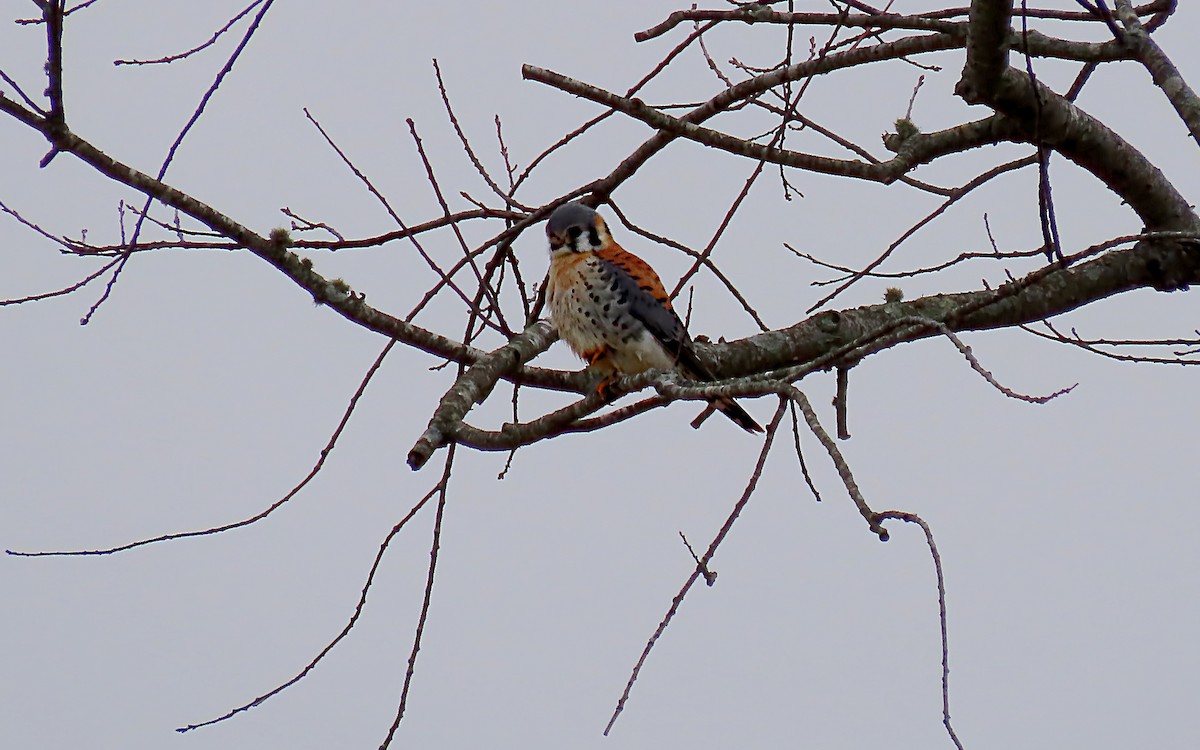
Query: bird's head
point(576, 228)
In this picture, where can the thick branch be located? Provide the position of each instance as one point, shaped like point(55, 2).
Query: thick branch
point(760, 14)
point(826, 338)
point(1054, 293)
point(1051, 120)
point(922, 21)
point(1089, 143)
point(917, 149)
point(1157, 7)
point(1166, 76)
point(987, 47)
point(1036, 43)
point(474, 385)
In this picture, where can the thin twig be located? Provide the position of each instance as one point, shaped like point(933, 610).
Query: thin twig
point(484, 289)
point(1093, 347)
point(21, 93)
point(466, 144)
point(707, 261)
point(955, 196)
point(662, 64)
point(703, 258)
point(1045, 196)
point(65, 290)
point(162, 170)
point(69, 11)
point(407, 232)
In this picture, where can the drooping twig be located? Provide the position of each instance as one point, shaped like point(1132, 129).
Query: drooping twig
point(198, 48)
point(416, 644)
point(362, 387)
point(800, 453)
point(358, 610)
point(941, 587)
point(702, 563)
point(977, 367)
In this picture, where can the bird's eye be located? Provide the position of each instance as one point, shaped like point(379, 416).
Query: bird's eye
point(574, 232)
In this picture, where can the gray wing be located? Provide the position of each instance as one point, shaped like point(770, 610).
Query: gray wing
point(638, 290)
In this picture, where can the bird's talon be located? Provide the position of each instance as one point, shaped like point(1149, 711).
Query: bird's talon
point(605, 389)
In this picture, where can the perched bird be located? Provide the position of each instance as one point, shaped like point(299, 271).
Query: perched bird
point(611, 308)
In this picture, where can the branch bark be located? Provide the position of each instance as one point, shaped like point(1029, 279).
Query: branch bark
point(1049, 118)
point(989, 28)
point(1060, 290)
point(335, 294)
point(474, 385)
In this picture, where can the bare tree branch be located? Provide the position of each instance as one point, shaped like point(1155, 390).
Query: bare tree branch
point(762, 120)
point(1166, 76)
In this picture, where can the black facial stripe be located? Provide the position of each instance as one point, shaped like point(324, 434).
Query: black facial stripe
point(593, 236)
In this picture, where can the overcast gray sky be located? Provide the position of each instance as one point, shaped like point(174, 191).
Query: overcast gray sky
point(203, 390)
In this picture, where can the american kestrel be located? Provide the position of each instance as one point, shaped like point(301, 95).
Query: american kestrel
point(612, 310)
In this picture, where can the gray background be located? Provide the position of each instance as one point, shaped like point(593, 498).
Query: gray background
point(205, 387)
